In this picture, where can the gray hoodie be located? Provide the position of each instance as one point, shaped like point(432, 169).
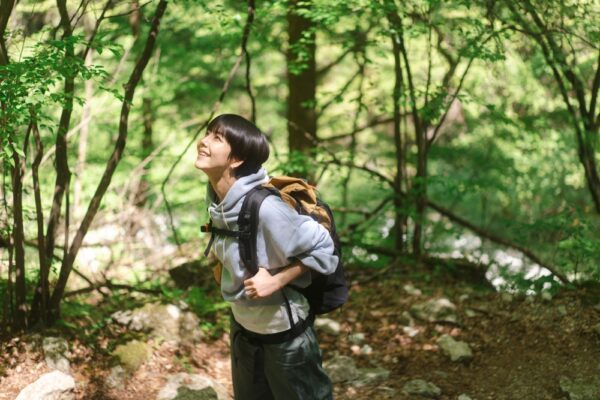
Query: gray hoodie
point(282, 235)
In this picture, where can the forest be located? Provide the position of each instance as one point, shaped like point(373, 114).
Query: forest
point(456, 143)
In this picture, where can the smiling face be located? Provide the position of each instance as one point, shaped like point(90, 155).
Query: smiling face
point(213, 155)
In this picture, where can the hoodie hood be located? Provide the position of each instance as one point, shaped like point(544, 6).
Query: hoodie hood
point(225, 213)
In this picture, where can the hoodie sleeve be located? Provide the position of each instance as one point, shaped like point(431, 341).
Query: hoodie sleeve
point(289, 235)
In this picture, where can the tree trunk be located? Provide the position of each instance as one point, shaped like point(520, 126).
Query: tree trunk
point(147, 148)
point(302, 81)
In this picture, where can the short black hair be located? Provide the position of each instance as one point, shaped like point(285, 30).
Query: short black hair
point(247, 142)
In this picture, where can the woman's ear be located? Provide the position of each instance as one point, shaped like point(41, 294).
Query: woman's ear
point(234, 163)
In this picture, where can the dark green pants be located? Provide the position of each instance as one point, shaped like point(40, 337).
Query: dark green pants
point(288, 371)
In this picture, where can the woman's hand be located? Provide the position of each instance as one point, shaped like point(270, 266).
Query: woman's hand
point(261, 285)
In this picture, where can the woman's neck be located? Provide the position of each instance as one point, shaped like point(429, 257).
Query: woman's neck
point(222, 184)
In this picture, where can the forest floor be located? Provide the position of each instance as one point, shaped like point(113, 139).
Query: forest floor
point(522, 346)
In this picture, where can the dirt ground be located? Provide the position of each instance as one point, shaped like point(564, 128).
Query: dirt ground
point(522, 347)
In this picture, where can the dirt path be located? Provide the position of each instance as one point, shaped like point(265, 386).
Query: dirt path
point(522, 347)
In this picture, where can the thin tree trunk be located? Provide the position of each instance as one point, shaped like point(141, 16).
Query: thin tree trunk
point(400, 217)
point(147, 148)
point(130, 86)
point(302, 80)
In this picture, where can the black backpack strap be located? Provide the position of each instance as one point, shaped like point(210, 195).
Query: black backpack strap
point(217, 231)
point(248, 225)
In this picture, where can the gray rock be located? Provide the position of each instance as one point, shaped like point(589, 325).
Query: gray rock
point(116, 378)
point(341, 368)
point(328, 326)
point(435, 310)
point(55, 385)
point(366, 350)
point(562, 310)
point(370, 376)
point(423, 388)
point(165, 321)
point(470, 313)
point(580, 389)
point(456, 350)
point(55, 350)
point(546, 296)
point(464, 397)
point(184, 386)
point(410, 331)
point(356, 338)
point(411, 290)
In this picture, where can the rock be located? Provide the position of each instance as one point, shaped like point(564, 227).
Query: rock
point(597, 328)
point(189, 329)
point(435, 310)
point(411, 290)
point(328, 326)
point(562, 310)
point(456, 350)
point(546, 296)
point(133, 354)
point(371, 376)
point(55, 350)
point(420, 387)
point(356, 338)
point(184, 386)
point(463, 297)
point(164, 321)
point(464, 397)
point(470, 313)
point(580, 389)
point(116, 378)
point(410, 331)
point(366, 350)
point(55, 385)
point(341, 368)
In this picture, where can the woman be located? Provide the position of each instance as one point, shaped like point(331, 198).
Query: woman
point(274, 351)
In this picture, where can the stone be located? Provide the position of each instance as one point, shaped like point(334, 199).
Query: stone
point(366, 350)
point(189, 274)
point(356, 338)
point(133, 354)
point(463, 297)
point(470, 313)
point(116, 377)
point(562, 310)
point(410, 331)
point(464, 397)
point(411, 290)
point(422, 388)
point(457, 351)
point(341, 369)
point(328, 326)
point(434, 310)
point(370, 376)
point(580, 389)
point(546, 296)
point(55, 385)
point(184, 386)
point(189, 329)
point(55, 350)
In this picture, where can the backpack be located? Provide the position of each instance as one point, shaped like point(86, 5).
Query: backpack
point(326, 292)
